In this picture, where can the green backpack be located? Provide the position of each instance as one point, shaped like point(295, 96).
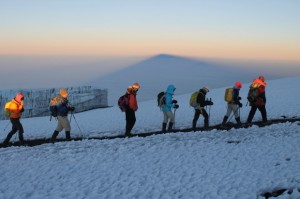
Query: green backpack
point(193, 99)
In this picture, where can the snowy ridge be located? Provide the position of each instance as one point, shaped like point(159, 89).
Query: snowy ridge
point(240, 163)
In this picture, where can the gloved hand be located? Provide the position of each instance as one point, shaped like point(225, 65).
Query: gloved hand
point(209, 103)
point(174, 101)
point(240, 104)
point(239, 98)
point(72, 108)
point(176, 106)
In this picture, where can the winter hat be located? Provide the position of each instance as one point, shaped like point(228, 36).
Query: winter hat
point(136, 86)
point(63, 92)
point(238, 84)
point(19, 97)
point(129, 88)
point(205, 89)
point(262, 78)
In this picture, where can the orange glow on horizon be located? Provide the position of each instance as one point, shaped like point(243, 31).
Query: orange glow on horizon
point(208, 48)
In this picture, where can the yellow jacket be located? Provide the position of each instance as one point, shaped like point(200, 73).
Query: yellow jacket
point(15, 108)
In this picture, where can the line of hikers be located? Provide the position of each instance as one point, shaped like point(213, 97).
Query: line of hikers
point(60, 107)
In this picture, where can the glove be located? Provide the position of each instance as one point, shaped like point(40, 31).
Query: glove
point(240, 104)
point(239, 98)
point(210, 103)
point(174, 101)
point(176, 106)
point(72, 108)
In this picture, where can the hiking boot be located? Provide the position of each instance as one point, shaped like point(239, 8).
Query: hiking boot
point(54, 135)
point(224, 121)
point(68, 136)
point(238, 121)
point(128, 134)
point(170, 127)
point(164, 127)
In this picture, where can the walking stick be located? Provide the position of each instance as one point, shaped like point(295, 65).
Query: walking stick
point(209, 111)
point(77, 125)
point(174, 118)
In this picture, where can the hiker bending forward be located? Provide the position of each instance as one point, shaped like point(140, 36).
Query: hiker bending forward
point(63, 107)
point(132, 107)
point(14, 110)
point(234, 105)
point(260, 101)
point(199, 109)
point(167, 109)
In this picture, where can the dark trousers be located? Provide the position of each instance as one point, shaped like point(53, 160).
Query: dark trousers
point(16, 126)
point(130, 120)
point(197, 115)
point(262, 110)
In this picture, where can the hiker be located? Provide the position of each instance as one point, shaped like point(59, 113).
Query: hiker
point(62, 106)
point(167, 109)
point(257, 99)
point(132, 107)
point(14, 109)
point(201, 102)
point(233, 104)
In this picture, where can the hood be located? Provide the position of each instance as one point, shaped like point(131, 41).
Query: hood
point(171, 88)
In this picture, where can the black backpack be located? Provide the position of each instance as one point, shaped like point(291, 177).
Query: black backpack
point(161, 99)
point(53, 110)
point(123, 102)
point(252, 94)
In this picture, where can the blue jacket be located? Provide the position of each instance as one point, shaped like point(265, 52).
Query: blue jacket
point(169, 95)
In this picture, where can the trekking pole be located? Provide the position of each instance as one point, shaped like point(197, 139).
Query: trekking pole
point(231, 116)
point(77, 125)
point(174, 118)
point(71, 117)
point(209, 110)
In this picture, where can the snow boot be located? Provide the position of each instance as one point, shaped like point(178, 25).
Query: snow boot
point(194, 126)
point(238, 121)
point(127, 134)
point(68, 136)
point(206, 125)
point(54, 135)
point(164, 127)
point(170, 127)
point(224, 121)
point(21, 139)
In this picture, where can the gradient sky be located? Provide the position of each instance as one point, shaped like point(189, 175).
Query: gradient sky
point(252, 29)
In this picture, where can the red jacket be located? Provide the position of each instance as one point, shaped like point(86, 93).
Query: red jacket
point(132, 101)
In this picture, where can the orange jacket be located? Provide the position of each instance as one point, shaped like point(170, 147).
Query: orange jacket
point(132, 102)
point(15, 108)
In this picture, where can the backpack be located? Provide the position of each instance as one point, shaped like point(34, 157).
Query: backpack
point(252, 94)
point(228, 97)
point(53, 107)
point(6, 110)
point(193, 99)
point(161, 99)
point(123, 102)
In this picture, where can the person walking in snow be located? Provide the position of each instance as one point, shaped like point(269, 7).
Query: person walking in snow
point(14, 109)
point(234, 104)
point(132, 107)
point(257, 98)
point(167, 109)
point(201, 102)
point(61, 104)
